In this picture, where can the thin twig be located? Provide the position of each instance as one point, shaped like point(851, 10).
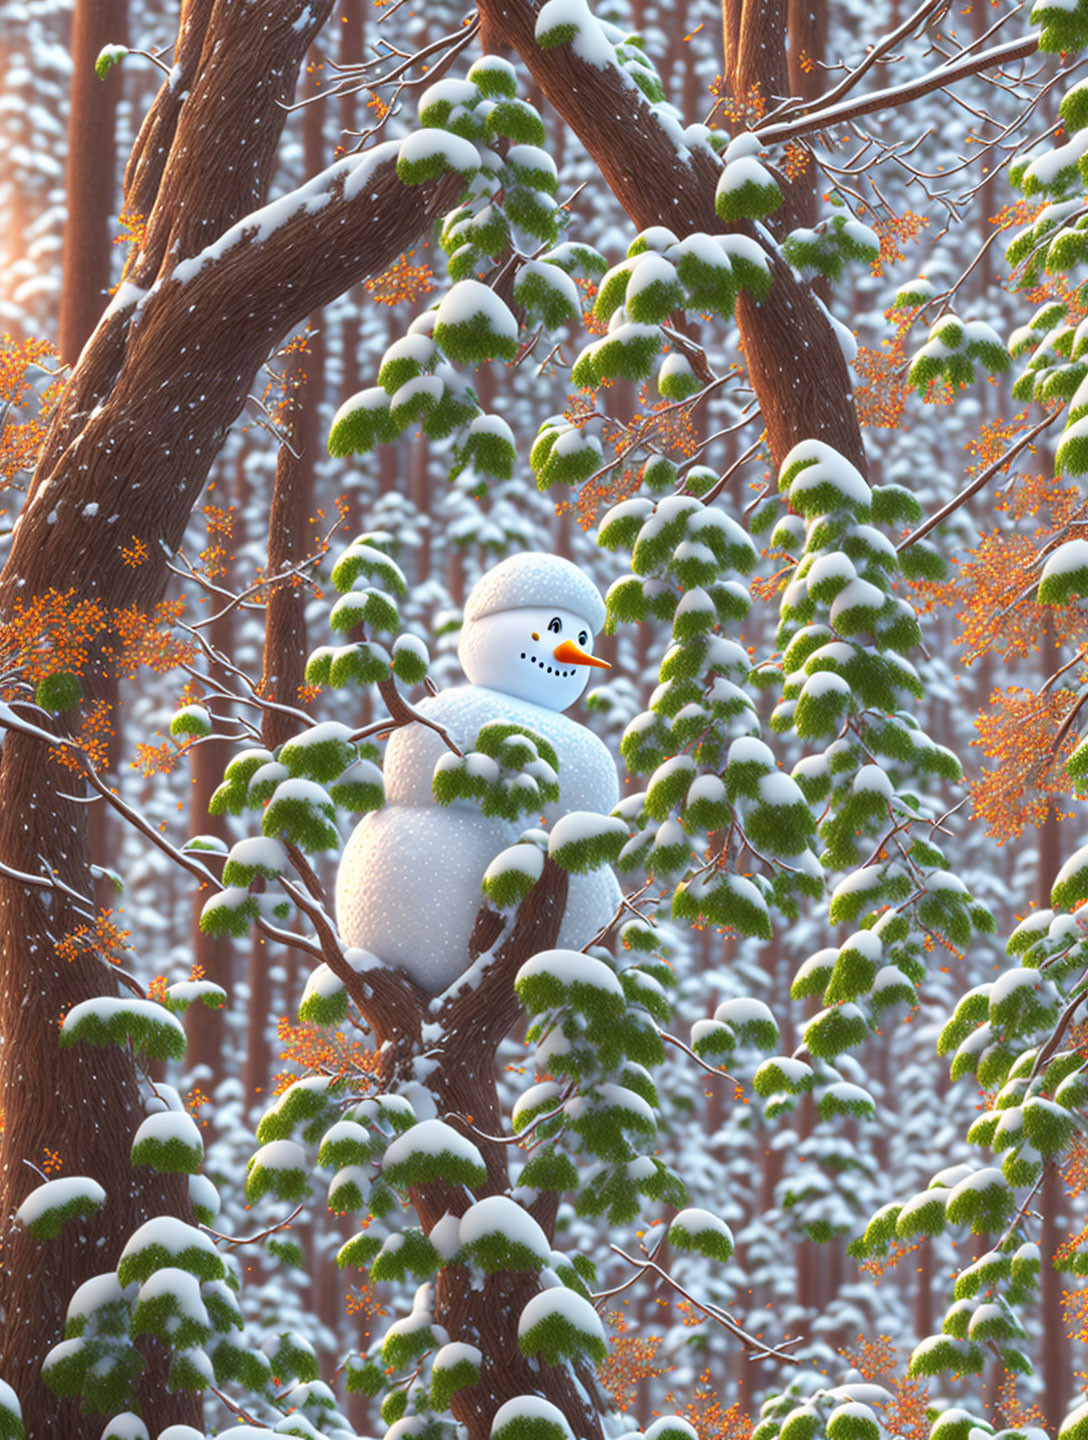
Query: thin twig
point(760, 1351)
point(690, 1053)
point(904, 94)
point(1067, 724)
point(401, 713)
point(723, 480)
point(239, 1410)
point(928, 10)
point(978, 482)
point(261, 1234)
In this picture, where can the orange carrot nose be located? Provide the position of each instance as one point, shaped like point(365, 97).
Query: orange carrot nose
point(571, 654)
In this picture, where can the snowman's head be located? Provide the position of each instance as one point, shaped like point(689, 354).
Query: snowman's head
point(540, 655)
point(528, 631)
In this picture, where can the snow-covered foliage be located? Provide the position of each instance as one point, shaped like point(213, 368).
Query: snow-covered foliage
point(792, 742)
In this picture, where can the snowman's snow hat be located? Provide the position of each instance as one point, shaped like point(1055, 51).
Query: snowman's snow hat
point(536, 579)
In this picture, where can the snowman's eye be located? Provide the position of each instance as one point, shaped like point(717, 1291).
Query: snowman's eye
point(555, 625)
point(583, 638)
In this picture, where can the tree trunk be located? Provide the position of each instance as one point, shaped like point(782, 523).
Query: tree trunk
point(140, 465)
point(285, 649)
point(795, 362)
point(90, 193)
point(463, 1084)
point(1057, 1369)
point(754, 45)
point(89, 174)
point(285, 644)
point(83, 1103)
point(1057, 1358)
point(213, 953)
point(807, 45)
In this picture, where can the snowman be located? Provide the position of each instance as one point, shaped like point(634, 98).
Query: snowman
point(408, 886)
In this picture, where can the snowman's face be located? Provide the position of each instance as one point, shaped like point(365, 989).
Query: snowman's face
point(543, 656)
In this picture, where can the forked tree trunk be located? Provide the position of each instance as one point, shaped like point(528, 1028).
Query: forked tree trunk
point(463, 1084)
point(120, 462)
point(795, 363)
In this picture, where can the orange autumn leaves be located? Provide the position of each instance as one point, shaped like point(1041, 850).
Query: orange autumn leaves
point(1020, 735)
point(906, 1413)
point(1023, 733)
point(105, 937)
point(50, 634)
point(60, 632)
point(881, 393)
point(632, 1358)
point(320, 1051)
point(992, 590)
point(29, 391)
point(635, 1357)
point(402, 282)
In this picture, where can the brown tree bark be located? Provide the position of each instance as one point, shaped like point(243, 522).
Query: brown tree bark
point(1057, 1351)
point(754, 34)
point(89, 172)
point(795, 362)
point(284, 663)
point(462, 1081)
point(199, 336)
point(352, 35)
point(285, 644)
point(807, 30)
point(85, 272)
point(258, 1061)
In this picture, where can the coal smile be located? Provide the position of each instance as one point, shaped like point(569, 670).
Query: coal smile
point(543, 666)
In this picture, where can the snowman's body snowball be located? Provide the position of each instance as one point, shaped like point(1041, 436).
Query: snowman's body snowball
point(587, 772)
point(408, 886)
